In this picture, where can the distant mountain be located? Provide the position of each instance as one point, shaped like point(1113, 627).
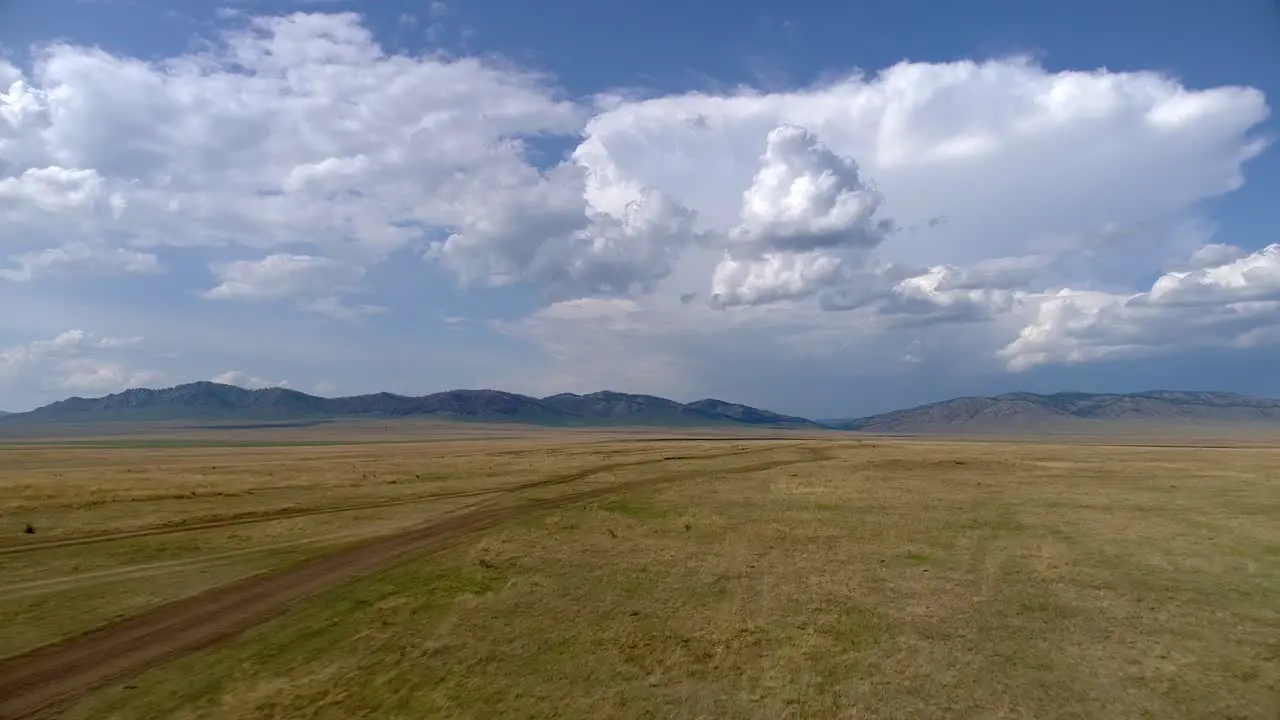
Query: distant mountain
point(208, 402)
point(212, 402)
point(750, 415)
point(1068, 411)
point(614, 406)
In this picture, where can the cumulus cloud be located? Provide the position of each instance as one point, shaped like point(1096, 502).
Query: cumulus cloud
point(317, 283)
point(75, 361)
point(282, 275)
point(80, 257)
point(1034, 172)
point(774, 276)
point(806, 197)
point(52, 189)
point(89, 376)
point(247, 381)
point(805, 214)
point(285, 130)
point(1221, 275)
point(1016, 158)
point(301, 145)
point(571, 231)
point(1235, 303)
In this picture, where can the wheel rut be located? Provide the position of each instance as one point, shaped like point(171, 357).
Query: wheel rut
point(43, 681)
point(293, 513)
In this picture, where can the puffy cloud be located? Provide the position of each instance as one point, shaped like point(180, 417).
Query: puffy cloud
point(834, 220)
point(53, 189)
point(80, 257)
point(1235, 303)
point(87, 376)
point(1213, 254)
point(317, 283)
point(1021, 161)
point(942, 293)
point(805, 213)
point(805, 198)
point(75, 361)
point(1048, 181)
point(283, 275)
point(247, 381)
point(568, 230)
point(774, 276)
point(1221, 275)
point(296, 129)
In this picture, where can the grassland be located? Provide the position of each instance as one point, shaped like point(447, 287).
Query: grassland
point(811, 577)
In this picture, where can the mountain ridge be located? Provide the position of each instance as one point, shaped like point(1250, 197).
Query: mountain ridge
point(1066, 411)
point(209, 401)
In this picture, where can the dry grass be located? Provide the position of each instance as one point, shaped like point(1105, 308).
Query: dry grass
point(269, 506)
point(893, 578)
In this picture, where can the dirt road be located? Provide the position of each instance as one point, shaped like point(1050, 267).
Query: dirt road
point(40, 682)
point(293, 513)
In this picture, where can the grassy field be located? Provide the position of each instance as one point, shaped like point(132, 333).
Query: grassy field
point(805, 578)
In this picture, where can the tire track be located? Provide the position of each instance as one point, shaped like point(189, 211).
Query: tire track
point(40, 682)
point(165, 567)
point(290, 514)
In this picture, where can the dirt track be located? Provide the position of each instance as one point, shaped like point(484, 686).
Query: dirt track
point(40, 682)
point(292, 513)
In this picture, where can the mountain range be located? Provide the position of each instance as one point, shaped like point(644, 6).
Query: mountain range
point(1068, 411)
point(214, 402)
point(206, 402)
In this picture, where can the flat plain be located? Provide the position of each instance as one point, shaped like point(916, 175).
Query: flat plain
point(411, 572)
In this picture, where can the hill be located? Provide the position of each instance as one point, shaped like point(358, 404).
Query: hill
point(748, 414)
point(1068, 411)
point(214, 402)
point(1018, 412)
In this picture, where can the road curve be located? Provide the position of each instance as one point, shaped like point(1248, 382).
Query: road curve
point(292, 513)
point(41, 682)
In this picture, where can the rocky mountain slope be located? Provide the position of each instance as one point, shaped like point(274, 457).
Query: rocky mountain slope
point(1011, 412)
point(208, 401)
point(1068, 411)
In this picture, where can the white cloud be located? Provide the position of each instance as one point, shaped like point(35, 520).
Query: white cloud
point(1235, 303)
point(1015, 157)
point(806, 197)
point(806, 215)
point(283, 275)
point(774, 276)
point(289, 130)
point(1047, 181)
point(332, 306)
point(317, 283)
point(80, 257)
point(857, 221)
point(73, 361)
point(53, 189)
point(247, 381)
point(88, 376)
point(1213, 254)
point(570, 230)
point(1221, 275)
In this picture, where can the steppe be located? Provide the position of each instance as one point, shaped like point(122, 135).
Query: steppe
point(411, 570)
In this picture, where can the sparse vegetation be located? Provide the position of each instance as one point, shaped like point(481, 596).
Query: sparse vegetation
point(812, 578)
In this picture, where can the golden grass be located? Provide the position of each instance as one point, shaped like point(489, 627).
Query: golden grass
point(894, 578)
point(270, 506)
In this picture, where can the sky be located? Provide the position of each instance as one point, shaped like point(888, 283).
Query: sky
point(822, 208)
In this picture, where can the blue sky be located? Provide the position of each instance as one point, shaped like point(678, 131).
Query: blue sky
point(822, 208)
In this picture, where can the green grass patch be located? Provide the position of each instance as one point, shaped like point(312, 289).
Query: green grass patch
point(633, 508)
